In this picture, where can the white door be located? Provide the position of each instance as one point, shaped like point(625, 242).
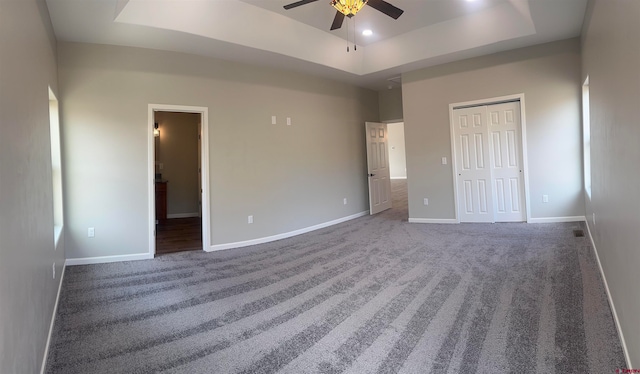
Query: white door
point(506, 162)
point(475, 199)
point(378, 167)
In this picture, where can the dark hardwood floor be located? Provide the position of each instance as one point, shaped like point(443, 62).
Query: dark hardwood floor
point(178, 234)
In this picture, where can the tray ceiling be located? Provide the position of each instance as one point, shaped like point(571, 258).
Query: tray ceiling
point(261, 32)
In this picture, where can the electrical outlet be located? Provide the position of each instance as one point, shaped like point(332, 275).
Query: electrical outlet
point(273, 120)
point(444, 161)
point(426, 201)
point(344, 201)
point(545, 198)
point(288, 121)
point(250, 219)
point(54, 270)
point(91, 232)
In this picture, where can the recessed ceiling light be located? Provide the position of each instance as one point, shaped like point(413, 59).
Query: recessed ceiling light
point(367, 33)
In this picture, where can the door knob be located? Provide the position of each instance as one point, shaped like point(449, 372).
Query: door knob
point(372, 175)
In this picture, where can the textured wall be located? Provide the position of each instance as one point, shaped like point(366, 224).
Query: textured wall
point(287, 177)
point(27, 251)
point(390, 105)
point(548, 75)
point(610, 58)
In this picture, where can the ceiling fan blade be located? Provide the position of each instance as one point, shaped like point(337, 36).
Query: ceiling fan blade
point(298, 3)
point(386, 8)
point(337, 21)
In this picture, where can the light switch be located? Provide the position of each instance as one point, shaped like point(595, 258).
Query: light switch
point(444, 161)
point(273, 120)
point(288, 121)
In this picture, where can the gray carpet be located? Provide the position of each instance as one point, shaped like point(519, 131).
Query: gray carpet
point(373, 295)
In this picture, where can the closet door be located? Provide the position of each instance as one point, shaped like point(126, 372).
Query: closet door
point(506, 162)
point(475, 198)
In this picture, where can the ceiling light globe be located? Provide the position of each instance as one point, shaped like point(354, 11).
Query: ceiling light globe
point(348, 7)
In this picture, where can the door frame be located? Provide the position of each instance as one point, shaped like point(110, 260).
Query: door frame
point(523, 146)
point(204, 180)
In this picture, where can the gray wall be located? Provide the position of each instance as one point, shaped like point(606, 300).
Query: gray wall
point(390, 105)
point(610, 58)
point(548, 75)
point(178, 152)
point(397, 152)
point(27, 252)
point(287, 177)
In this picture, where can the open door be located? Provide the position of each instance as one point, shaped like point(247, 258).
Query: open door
point(378, 167)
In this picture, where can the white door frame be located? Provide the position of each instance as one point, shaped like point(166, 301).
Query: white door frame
point(523, 135)
point(204, 181)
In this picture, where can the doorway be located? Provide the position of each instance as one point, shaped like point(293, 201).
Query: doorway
point(398, 168)
point(386, 168)
point(489, 161)
point(397, 153)
point(179, 213)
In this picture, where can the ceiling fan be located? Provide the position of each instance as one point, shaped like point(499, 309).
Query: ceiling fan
point(349, 8)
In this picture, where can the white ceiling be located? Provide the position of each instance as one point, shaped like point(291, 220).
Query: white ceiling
point(417, 14)
point(261, 32)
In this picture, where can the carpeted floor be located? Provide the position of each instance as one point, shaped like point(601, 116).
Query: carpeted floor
point(372, 295)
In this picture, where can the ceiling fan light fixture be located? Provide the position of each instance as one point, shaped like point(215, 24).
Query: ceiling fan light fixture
point(348, 7)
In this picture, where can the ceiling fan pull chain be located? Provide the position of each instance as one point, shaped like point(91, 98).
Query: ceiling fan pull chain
point(355, 46)
point(347, 34)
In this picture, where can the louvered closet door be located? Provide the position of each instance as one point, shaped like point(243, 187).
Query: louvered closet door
point(506, 162)
point(475, 198)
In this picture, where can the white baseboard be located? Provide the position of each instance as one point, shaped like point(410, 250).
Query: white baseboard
point(397, 177)
point(246, 243)
point(613, 307)
point(531, 220)
point(105, 259)
point(53, 319)
point(183, 215)
point(557, 219)
point(433, 220)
